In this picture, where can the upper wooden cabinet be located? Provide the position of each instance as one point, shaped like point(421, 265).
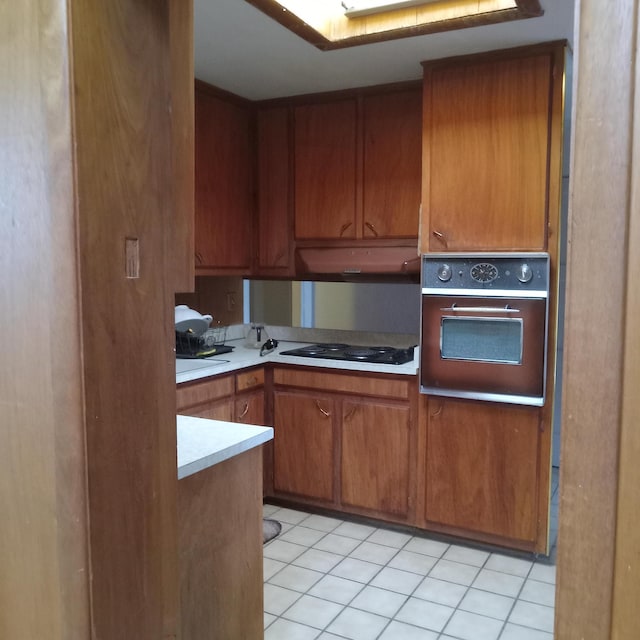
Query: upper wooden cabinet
point(357, 167)
point(491, 150)
point(223, 183)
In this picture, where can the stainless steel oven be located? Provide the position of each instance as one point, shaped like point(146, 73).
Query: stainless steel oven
point(484, 326)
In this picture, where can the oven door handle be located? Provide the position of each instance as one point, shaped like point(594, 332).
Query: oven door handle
point(505, 309)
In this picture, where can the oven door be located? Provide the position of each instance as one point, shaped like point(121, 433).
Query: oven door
point(484, 348)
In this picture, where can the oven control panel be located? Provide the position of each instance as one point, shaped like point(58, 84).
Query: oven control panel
point(487, 272)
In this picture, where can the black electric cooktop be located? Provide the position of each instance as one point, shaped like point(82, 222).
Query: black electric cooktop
point(381, 355)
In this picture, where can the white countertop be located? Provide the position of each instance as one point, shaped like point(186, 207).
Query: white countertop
point(203, 443)
point(242, 357)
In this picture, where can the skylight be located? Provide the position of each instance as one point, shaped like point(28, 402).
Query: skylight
point(358, 8)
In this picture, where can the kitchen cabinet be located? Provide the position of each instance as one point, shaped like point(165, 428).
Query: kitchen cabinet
point(345, 441)
point(358, 167)
point(223, 182)
point(274, 240)
point(482, 470)
point(492, 146)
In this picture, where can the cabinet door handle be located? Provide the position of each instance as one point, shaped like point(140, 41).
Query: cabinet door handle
point(371, 228)
point(327, 414)
point(349, 414)
point(199, 259)
point(440, 236)
point(244, 411)
point(344, 227)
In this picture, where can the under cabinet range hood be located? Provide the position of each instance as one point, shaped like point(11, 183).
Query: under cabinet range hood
point(347, 263)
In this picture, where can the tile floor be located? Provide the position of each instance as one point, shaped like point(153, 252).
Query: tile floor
point(327, 578)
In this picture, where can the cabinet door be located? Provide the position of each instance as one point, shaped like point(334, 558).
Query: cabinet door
point(218, 410)
point(223, 222)
point(249, 407)
point(375, 466)
point(303, 444)
point(482, 467)
point(274, 239)
point(325, 170)
point(486, 132)
point(392, 164)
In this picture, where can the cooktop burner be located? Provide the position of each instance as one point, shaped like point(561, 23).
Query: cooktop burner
point(379, 354)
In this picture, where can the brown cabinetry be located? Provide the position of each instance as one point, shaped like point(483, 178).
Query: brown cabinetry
point(482, 470)
point(223, 182)
point(345, 441)
point(492, 150)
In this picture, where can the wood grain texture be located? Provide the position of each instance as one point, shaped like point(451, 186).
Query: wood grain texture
point(181, 243)
point(325, 170)
point(304, 444)
point(275, 187)
point(482, 467)
point(249, 407)
point(363, 384)
point(220, 542)
point(376, 456)
point(223, 183)
point(122, 72)
point(199, 392)
point(594, 351)
point(392, 175)
point(249, 379)
point(44, 577)
point(485, 146)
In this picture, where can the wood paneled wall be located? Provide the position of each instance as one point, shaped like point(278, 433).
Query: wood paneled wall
point(598, 574)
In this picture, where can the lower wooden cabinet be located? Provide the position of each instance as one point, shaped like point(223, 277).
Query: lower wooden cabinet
point(482, 468)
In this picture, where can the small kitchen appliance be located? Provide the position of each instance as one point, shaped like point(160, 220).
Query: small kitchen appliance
point(353, 353)
point(484, 326)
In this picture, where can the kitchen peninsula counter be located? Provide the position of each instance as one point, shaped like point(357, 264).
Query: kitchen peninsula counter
point(243, 357)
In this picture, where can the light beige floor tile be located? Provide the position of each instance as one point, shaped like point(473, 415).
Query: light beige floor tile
point(457, 553)
point(381, 601)
point(278, 599)
point(440, 591)
point(414, 562)
point(357, 570)
point(390, 538)
point(454, 572)
point(497, 582)
point(283, 550)
point(506, 564)
point(286, 630)
point(401, 631)
point(303, 535)
point(358, 625)
point(292, 516)
point(271, 567)
point(543, 573)
point(516, 632)
point(539, 592)
point(429, 547)
point(470, 626)
point(322, 523)
point(487, 604)
point(428, 615)
point(354, 530)
point(313, 612)
point(317, 560)
point(268, 509)
point(396, 580)
point(268, 619)
point(337, 544)
point(329, 636)
point(336, 589)
point(371, 552)
point(296, 578)
point(529, 614)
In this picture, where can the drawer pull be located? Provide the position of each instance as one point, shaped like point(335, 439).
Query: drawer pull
point(349, 414)
point(244, 411)
point(322, 411)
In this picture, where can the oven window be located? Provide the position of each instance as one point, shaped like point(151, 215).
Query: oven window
point(481, 339)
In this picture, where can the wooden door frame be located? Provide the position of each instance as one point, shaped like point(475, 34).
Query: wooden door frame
point(598, 575)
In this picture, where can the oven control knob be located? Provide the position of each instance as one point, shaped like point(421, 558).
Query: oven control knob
point(444, 272)
point(524, 273)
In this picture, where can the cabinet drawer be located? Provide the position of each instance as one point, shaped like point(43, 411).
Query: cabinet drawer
point(361, 384)
point(189, 395)
point(249, 379)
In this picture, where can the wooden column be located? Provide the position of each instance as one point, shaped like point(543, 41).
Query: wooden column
point(601, 347)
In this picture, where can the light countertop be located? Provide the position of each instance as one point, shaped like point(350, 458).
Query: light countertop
point(203, 443)
point(242, 357)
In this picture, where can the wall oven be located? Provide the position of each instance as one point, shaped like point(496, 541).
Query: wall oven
point(484, 326)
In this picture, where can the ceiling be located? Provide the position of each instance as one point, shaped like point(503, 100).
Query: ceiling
point(240, 49)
